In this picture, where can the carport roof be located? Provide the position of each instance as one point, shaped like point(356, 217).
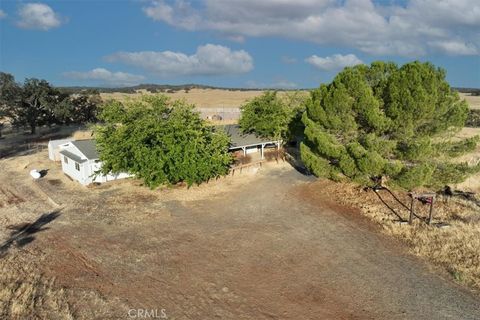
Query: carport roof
point(240, 140)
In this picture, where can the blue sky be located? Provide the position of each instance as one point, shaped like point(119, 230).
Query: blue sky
point(233, 43)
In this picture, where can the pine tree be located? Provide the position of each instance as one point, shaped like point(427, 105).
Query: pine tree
point(385, 120)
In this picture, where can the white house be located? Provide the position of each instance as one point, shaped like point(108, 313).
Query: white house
point(80, 161)
point(54, 148)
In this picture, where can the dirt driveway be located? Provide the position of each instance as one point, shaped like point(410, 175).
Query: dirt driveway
point(269, 246)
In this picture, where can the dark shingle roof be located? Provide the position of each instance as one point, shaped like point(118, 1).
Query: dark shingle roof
point(240, 139)
point(88, 148)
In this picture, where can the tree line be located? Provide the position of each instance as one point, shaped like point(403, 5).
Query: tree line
point(35, 103)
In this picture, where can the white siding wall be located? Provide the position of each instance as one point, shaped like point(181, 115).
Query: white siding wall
point(69, 169)
point(87, 169)
point(95, 166)
point(54, 147)
point(252, 150)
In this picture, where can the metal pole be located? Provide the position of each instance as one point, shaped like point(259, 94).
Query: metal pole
point(410, 219)
point(431, 211)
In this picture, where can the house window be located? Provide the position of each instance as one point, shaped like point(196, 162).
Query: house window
point(65, 159)
point(77, 166)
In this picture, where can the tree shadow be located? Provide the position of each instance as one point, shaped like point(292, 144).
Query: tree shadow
point(390, 208)
point(24, 233)
point(43, 172)
point(377, 189)
point(297, 164)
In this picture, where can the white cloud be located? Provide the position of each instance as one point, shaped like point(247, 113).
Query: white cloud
point(181, 14)
point(335, 62)
point(38, 16)
point(207, 60)
point(410, 28)
point(106, 77)
point(160, 12)
point(2, 14)
point(454, 47)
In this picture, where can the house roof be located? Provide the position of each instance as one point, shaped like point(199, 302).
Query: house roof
point(88, 148)
point(55, 143)
point(239, 139)
point(72, 156)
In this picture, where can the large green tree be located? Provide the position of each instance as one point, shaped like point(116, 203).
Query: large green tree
point(385, 120)
point(272, 116)
point(35, 103)
point(78, 108)
point(9, 96)
point(160, 141)
point(35, 106)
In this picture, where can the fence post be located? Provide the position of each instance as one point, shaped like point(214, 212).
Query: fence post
point(430, 215)
point(410, 219)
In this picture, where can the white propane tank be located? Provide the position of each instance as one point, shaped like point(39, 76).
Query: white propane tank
point(35, 174)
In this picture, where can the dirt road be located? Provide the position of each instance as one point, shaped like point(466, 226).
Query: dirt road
point(270, 247)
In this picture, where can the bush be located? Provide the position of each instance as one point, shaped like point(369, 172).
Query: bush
point(455, 149)
point(473, 119)
point(243, 159)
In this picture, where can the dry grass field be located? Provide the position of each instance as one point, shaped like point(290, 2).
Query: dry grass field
point(473, 101)
point(202, 98)
point(212, 98)
point(472, 184)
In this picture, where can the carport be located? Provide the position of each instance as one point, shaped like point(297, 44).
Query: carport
point(248, 142)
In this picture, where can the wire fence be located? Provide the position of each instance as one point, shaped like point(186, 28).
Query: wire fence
point(22, 149)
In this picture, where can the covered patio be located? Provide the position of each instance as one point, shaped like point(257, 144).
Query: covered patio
point(248, 143)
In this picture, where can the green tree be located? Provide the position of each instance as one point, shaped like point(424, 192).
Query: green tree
point(35, 104)
point(9, 94)
point(270, 116)
point(161, 142)
point(78, 108)
point(385, 120)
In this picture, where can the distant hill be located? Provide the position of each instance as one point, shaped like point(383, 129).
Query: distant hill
point(158, 88)
point(473, 91)
point(154, 88)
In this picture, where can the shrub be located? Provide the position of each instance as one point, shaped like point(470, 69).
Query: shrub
point(473, 119)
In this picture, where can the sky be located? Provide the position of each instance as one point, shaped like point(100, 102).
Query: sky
point(233, 43)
